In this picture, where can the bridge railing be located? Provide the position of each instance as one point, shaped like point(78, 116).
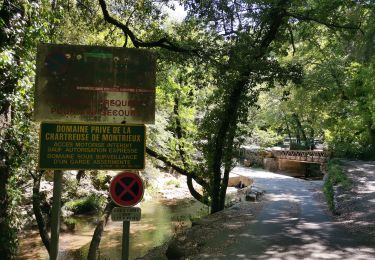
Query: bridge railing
point(303, 155)
point(315, 156)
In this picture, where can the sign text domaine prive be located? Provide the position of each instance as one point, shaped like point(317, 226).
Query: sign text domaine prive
point(91, 146)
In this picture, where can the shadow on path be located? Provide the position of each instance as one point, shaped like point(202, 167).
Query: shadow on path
point(291, 223)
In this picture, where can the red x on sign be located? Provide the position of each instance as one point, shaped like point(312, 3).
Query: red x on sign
point(126, 189)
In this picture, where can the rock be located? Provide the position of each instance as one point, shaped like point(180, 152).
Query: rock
point(235, 207)
point(195, 223)
point(257, 191)
point(246, 163)
point(174, 251)
point(251, 197)
point(66, 213)
point(270, 164)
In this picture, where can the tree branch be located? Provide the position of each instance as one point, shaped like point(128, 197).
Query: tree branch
point(38, 212)
point(291, 38)
point(182, 152)
point(302, 17)
point(97, 236)
point(162, 43)
point(177, 168)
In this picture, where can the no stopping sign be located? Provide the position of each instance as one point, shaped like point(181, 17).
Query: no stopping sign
point(126, 189)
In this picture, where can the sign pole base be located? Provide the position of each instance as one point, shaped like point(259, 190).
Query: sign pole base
point(55, 215)
point(125, 239)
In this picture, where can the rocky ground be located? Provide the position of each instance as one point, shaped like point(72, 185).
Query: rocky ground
point(356, 207)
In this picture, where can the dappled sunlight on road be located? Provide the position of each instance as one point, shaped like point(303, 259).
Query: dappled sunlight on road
point(290, 223)
point(258, 173)
point(289, 197)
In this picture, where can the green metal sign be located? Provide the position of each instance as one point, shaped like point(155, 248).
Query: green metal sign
point(74, 146)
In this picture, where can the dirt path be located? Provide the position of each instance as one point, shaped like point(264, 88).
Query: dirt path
point(290, 223)
point(356, 207)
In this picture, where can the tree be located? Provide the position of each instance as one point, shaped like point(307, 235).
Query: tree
point(21, 26)
point(335, 98)
point(243, 46)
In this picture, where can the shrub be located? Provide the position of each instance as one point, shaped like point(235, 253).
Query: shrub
point(89, 204)
point(70, 223)
point(173, 182)
point(336, 176)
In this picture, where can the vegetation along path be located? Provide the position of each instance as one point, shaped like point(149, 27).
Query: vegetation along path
point(356, 206)
point(291, 222)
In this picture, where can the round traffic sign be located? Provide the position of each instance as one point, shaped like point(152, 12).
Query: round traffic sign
point(126, 189)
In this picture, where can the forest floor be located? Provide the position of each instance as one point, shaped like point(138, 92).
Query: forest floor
point(292, 221)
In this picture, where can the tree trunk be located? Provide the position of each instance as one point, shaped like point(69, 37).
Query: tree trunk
point(230, 115)
point(5, 229)
point(181, 150)
point(184, 172)
point(299, 129)
point(96, 238)
point(229, 119)
point(371, 132)
point(38, 212)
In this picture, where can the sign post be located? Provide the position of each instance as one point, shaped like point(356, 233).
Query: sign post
point(126, 190)
point(125, 239)
point(82, 91)
point(55, 215)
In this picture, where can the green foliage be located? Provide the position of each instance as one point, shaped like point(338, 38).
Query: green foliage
point(336, 177)
point(210, 99)
point(100, 180)
point(70, 223)
point(173, 182)
point(264, 138)
point(22, 25)
point(91, 204)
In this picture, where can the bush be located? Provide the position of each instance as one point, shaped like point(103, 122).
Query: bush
point(85, 205)
point(173, 182)
point(100, 180)
point(70, 223)
point(336, 176)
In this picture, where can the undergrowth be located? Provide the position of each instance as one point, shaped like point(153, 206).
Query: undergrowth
point(89, 204)
point(336, 176)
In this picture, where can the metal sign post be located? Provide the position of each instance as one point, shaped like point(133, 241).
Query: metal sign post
point(125, 239)
point(102, 86)
point(126, 190)
point(55, 216)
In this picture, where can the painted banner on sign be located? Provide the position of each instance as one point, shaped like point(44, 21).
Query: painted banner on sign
point(91, 146)
point(94, 84)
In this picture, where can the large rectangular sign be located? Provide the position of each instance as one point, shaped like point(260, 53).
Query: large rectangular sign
point(91, 146)
point(94, 84)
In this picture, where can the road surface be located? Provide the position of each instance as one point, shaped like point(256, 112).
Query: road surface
point(292, 222)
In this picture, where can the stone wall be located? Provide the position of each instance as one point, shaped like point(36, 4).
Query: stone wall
point(235, 179)
point(271, 164)
point(291, 168)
